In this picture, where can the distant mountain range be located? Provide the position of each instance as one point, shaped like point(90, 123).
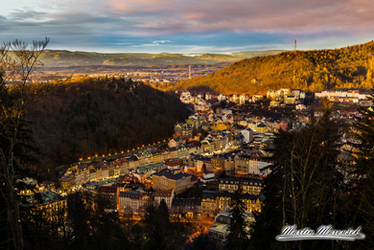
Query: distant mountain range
point(76, 58)
point(315, 70)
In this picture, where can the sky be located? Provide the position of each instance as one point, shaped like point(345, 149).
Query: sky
point(188, 26)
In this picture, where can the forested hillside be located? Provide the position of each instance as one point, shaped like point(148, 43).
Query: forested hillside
point(308, 70)
point(77, 58)
point(97, 116)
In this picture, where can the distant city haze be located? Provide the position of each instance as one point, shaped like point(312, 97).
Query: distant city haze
point(188, 26)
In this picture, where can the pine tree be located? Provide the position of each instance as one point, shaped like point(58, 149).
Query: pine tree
point(238, 236)
point(365, 174)
point(154, 231)
point(163, 213)
point(305, 187)
point(204, 169)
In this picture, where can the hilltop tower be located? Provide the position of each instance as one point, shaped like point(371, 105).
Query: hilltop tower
point(295, 46)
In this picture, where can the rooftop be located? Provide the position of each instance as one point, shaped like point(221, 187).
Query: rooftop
point(169, 174)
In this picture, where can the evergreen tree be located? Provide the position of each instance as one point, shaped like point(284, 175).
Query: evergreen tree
point(365, 174)
point(163, 213)
point(204, 169)
point(154, 231)
point(305, 187)
point(202, 242)
point(79, 217)
point(238, 235)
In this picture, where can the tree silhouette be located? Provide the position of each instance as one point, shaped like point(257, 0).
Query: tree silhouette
point(204, 169)
point(15, 74)
point(364, 191)
point(305, 187)
point(238, 235)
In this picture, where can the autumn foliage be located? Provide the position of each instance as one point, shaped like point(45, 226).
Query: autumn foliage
point(349, 67)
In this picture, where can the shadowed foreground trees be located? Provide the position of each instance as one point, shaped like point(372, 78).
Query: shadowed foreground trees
point(363, 192)
point(238, 236)
point(83, 224)
point(305, 187)
point(89, 226)
point(160, 232)
point(17, 60)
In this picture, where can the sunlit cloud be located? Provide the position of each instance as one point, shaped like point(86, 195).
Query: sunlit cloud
point(91, 24)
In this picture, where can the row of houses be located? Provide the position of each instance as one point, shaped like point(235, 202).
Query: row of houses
point(345, 96)
point(170, 183)
point(135, 202)
point(239, 164)
point(214, 201)
point(142, 162)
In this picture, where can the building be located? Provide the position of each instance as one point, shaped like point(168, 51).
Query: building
point(67, 182)
point(214, 201)
point(289, 99)
point(133, 201)
point(242, 99)
point(172, 179)
point(344, 96)
point(48, 206)
point(248, 185)
point(108, 193)
point(172, 143)
point(209, 203)
point(246, 165)
point(167, 196)
point(208, 177)
point(260, 128)
point(174, 163)
point(247, 135)
point(217, 163)
point(221, 226)
point(189, 208)
point(251, 202)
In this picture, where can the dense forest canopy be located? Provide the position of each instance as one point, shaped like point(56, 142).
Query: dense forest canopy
point(349, 67)
point(84, 117)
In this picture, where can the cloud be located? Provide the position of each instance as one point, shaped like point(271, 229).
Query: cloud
point(159, 42)
point(22, 15)
point(192, 24)
point(293, 16)
point(178, 16)
point(138, 6)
